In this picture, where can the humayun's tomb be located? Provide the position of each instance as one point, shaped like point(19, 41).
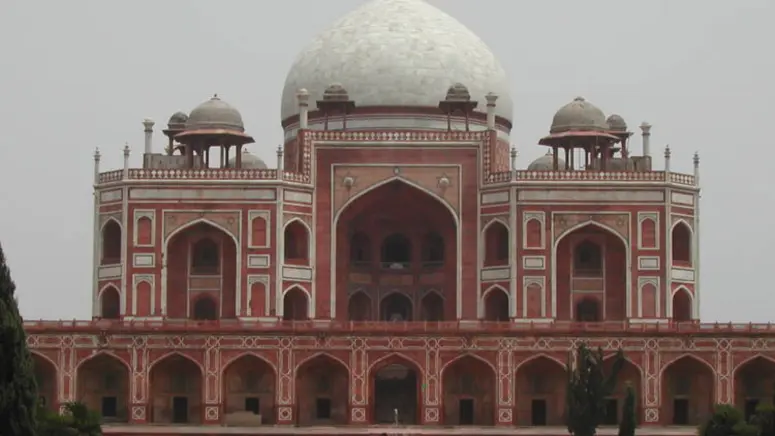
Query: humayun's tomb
point(394, 272)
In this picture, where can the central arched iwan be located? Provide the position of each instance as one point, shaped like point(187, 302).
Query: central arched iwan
point(395, 233)
point(469, 390)
point(201, 268)
point(322, 392)
point(591, 275)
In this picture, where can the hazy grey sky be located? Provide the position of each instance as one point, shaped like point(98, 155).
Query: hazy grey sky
point(81, 74)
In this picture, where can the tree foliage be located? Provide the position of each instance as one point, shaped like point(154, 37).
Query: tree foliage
point(18, 390)
point(726, 420)
point(77, 420)
point(629, 421)
point(764, 419)
point(587, 389)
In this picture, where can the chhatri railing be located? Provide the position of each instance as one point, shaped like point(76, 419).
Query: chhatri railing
point(201, 174)
point(592, 176)
point(376, 327)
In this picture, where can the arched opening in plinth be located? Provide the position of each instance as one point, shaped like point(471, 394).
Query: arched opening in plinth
point(322, 392)
point(629, 376)
point(103, 386)
point(754, 384)
point(46, 378)
point(541, 386)
point(432, 307)
point(396, 307)
point(469, 389)
point(176, 391)
point(359, 307)
point(249, 384)
point(295, 305)
point(395, 392)
point(110, 303)
point(496, 305)
point(591, 265)
point(688, 393)
point(111, 243)
point(201, 263)
point(682, 305)
point(401, 237)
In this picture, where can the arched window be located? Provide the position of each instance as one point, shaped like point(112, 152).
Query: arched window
point(396, 251)
point(682, 244)
point(111, 243)
point(205, 309)
point(204, 257)
point(433, 250)
point(496, 244)
point(360, 248)
point(588, 259)
point(587, 310)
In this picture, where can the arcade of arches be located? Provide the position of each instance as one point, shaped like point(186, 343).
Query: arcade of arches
point(396, 263)
point(468, 389)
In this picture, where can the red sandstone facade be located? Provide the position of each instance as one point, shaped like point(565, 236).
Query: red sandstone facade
point(406, 275)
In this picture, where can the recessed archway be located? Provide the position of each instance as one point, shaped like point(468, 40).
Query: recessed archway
point(201, 260)
point(322, 391)
point(103, 386)
point(469, 388)
point(359, 308)
point(496, 244)
point(110, 303)
point(496, 305)
point(754, 384)
point(45, 373)
point(682, 305)
point(409, 230)
point(395, 385)
point(681, 242)
point(295, 305)
point(688, 393)
point(111, 243)
point(205, 309)
point(591, 261)
point(541, 385)
point(432, 307)
point(629, 375)
point(176, 390)
point(249, 384)
point(396, 307)
point(296, 243)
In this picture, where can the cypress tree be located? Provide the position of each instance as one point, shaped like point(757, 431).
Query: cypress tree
point(587, 389)
point(629, 421)
point(18, 390)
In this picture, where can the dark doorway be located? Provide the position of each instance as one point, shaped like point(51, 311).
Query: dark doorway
point(538, 412)
point(681, 411)
point(323, 408)
point(750, 408)
point(611, 412)
point(466, 411)
point(109, 407)
point(179, 410)
point(395, 390)
point(252, 404)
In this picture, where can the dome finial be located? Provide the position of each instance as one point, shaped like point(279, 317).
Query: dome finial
point(579, 98)
point(215, 96)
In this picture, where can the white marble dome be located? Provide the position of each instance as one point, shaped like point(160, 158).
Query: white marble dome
point(397, 53)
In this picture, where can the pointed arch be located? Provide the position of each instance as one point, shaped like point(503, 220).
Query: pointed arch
point(684, 300)
point(225, 366)
point(688, 356)
point(472, 379)
point(46, 373)
point(110, 302)
point(170, 354)
point(300, 287)
point(534, 357)
point(393, 358)
point(176, 386)
point(248, 383)
point(609, 356)
point(496, 235)
point(394, 382)
point(108, 220)
point(681, 237)
point(359, 306)
point(542, 379)
point(492, 288)
point(495, 311)
point(350, 201)
point(465, 355)
point(46, 358)
point(322, 390)
point(111, 242)
point(193, 223)
point(627, 260)
point(689, 388)
point(750, 359)
point(104, 353)
point(304, 312)
point(321, 354)
point(402, 305)
point(432, 306)
point(102, 383)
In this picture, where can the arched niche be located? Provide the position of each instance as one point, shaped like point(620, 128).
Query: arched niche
point(496, 305)
point(688, 395)
point(588, 309)
point(46, 378)
point(201, 260)
point(541, 385)
point(469, 388)
point(682, 305)
point(629, 376)
point(110, 303)
point(249, 385)
point(496, 244)
point(359, 307)
point(295, 305)
point(681, 242)
point(396, 251)
point(175, 391)
point(205, 308)
point(433, 250)
point(432, 307)
point(322, 392)
point(395, 388)
point(111, 243)
point(754, 384)
point(296, 240)
point(591, 260)
point(360, 249)
point(103, 386)
point(396, 307)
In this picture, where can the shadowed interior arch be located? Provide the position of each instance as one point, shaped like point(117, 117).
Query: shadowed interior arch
point(496, 305)
point(110, 303)
point(176, 391)
point(46, 378)
point(103, 386)
point(111, 243)
point(249, 384)
point(322, 392)
point(395, 391)
point(754, 385)
point(687, 391)
point(541, 385)
point(469, 388)
point(380, 240)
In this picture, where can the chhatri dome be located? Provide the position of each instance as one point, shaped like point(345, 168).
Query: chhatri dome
point(403, 53)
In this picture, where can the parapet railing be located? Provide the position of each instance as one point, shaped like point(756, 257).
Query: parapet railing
point(201, 174)
point(375, 327)
point(591, 176)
